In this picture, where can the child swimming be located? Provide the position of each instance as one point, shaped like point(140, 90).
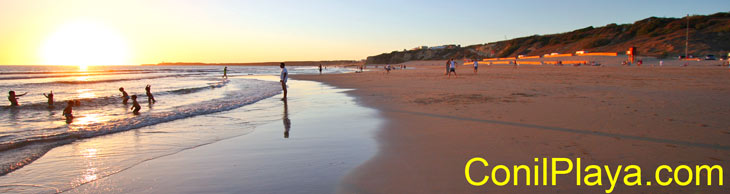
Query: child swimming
point(68, 111)
point(125, 96)
point(14, 98)
point(150, 98)
point(50, 98)
point(135, 106)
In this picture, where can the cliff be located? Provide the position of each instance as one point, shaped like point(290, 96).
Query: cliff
point(658, 37)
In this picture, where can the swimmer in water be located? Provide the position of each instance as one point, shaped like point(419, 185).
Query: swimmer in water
point(14, 98)
point(68, 111)
point(125, 96)
point(50, 98)
point(135, 106)
point(150, 98)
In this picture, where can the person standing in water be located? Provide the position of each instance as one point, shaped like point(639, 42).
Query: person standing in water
point(320, 68)
point(50, 98)
point(68, 111)
point(135, 106)
point(14, 98)
point(284, 77)
point(150, 98)
point(125, 96)
point(225, 72)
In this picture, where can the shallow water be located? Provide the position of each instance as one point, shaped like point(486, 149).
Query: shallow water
point(304, 144)
point(30, 130)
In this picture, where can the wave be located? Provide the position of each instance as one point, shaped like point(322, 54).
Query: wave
point(198, 89)
point(38, 145)
point(21, 75)
point(106, 100)
point(116, 80)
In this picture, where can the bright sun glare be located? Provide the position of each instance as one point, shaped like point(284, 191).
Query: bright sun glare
point(84, 44)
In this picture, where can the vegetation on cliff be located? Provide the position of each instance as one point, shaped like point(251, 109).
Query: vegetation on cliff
point(658, 37)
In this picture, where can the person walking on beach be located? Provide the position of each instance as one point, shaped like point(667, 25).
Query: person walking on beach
point(150, 98)
point(476, 65)
point(68, 111)
point(135, 106)
point(50, 98)
point(387, 69)
point(452, 67)
point(320, 69)
point(284, 77)
point(14, 98)
point(125, 96)
point(225, 72)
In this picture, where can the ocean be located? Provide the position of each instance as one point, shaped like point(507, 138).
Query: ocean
point(30, 130)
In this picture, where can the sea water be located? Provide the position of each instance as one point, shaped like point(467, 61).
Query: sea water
point(30, 130)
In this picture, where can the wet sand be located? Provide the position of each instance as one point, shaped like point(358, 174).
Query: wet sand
point(604, 115)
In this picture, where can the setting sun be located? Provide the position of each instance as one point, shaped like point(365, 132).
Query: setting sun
point(85, 44)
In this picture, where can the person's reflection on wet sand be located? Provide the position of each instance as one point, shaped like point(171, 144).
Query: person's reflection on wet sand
point(285, 118)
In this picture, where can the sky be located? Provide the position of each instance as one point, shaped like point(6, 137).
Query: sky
point(152, 31)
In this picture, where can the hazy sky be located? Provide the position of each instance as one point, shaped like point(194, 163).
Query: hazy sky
point(254, 31)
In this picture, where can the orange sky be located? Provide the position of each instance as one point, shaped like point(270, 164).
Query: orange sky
point(92, 32)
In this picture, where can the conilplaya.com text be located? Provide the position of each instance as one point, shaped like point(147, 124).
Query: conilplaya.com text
point(544, 172)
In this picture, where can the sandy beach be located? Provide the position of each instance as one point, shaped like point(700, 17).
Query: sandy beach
point(604, 115)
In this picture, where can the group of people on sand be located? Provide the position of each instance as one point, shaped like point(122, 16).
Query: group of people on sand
point(451, 67)
point(68, 111)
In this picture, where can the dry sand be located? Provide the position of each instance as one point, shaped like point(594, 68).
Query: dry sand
point(603, 115)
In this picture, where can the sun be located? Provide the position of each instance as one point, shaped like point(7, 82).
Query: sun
point(84, 43)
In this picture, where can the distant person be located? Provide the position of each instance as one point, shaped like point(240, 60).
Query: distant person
point(135, 106)
point(14, 98)
point(320, 68)
point(452, 67)
point(68, 111)
point(284, 77)
point(150, 98)
point(476, 66)
point(225, 72)
point(125, 96)
point(387, 69)
point(50, 98)
point(661, 63)
point(447, 66)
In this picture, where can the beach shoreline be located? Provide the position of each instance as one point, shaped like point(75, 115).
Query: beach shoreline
point(272, 145)
point(434, 124)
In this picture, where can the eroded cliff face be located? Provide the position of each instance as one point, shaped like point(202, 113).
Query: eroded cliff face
point(658, 37)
